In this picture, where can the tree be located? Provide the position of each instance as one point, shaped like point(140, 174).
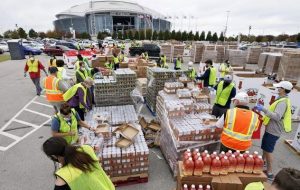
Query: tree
point(83, 35)
point(114, 35)
point(68, 35)
point(282, 37)
point(7, 34)
point(120, 35)
point(130, 35)
point(142, 34)
point(155, 35)
point(126, 34)
point(214, 37)
point(167, 35)
point(259, 38)
point(32, 33)
point(231, 38)
point(42, 35)
point(178, 36)
point(54, 34)
point(184, 36)
point(1, 36)
point(209, 36)
point(191, 36)
point(221, 38)
point(270, 38)
point(160, 35)
point(136, 35)
point(298, 37)
point(202, 36)
point(22, 33)
point(173, 35)
point(197, 36)
point(148, 34)
point(15, 35)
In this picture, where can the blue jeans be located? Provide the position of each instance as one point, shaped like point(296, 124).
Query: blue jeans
point(37, 85)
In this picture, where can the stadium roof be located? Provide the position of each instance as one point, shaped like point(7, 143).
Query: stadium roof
point(108, 6)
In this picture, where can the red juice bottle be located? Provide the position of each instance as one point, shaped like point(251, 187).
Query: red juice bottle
point(229, 153)
point(207, 164)
point(224, 165)
point(258, 165)
point(203, 154)
point(246, 154)
point(240, 164)
point(199, 165)
point(188, 167)
point(233, 163)
point(215, 166)
point(249, 164)
point(236, 153)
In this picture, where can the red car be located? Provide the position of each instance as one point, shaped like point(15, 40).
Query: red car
point(57, 50)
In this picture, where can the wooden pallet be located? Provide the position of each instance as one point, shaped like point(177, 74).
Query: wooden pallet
point(130, 179)
point(289, 143)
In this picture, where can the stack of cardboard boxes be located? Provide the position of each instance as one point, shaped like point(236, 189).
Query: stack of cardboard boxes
point(140, 67)
point(253, 55)
point(141, 85)
point(262, 61)
point(220, 53)
point(166, 49)
point(178, 50)
point(237, 57)
point(197, 53)
point(289, 67)
point(272, 63)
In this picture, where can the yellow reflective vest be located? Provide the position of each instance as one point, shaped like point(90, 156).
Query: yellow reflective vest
point(72, 91)
point(192, 74)
point(222, 95)
point(59, 73)
point(79, 180)
point(83, 74)
point(33, 66)
point(287, 118)
point(212, 76)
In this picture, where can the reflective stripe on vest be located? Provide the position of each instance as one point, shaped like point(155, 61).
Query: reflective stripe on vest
point(83, 74)
point(66, 128)
point(109, 65)
point(238, 128)
point(33, 66)
point(212, 76)
point(222, 95)
point(116, 60)
point(73, 90)
point(287, 118)
point(51, 88)
point(178, 64)
point(79, 180)
point(59, 72)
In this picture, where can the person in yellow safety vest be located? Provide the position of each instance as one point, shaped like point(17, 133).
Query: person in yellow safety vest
point(225, 91)
point(77, 97)
point(210, 75)
point(81, 169)
point(116, 61)
point(84, 59)
point(52, 61)
point(33, 66)
point(238, 125)
point(178, 62)
point(62, 74)
point(191, 71)
point(123, 46)
point(81, 73)
point(225, 69)
point(54, 89)
point(277, 119)
point(65, 124)
point(163, 62)
point(78, 46)
point(109, 65)
point(121, 56)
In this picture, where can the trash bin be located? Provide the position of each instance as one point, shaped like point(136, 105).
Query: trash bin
point(16, 49)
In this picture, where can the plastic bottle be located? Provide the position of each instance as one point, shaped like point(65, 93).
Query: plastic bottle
point(224, 165)
point(193, 187)
point(246, 154)
point(232, 164)
point(240, 164)
point(213, 155)
point(200, 187)
point(198, 155)
point(255, 154)
point(221, 155)
point(195, 152)
point(188, 166)
point(207, 164)
point(203, 154)
point(185, 187)
point(229, 153)
point(208, 187)
point(258, 165)
point(236, 153)
point(249, 164)
point(215, 166)
point(199, 165)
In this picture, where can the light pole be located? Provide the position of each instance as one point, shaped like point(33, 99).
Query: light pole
point(226, 25)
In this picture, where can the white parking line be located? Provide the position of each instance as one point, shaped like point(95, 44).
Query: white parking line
point(38, 113)
point(26, 123)
point(42, 104)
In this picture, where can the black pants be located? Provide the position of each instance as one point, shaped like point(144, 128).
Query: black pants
point(117, 66)
point(218, 111)
point(80, 112)
point(226, 149)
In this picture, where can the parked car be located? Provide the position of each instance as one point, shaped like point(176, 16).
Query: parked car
point(29, 50)
point(67, 44)
point(152, 49)
point(109, 42)
point(57, 50)
point(1, 51)
point(4, 46)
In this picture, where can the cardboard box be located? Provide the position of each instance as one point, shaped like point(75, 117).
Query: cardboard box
point(249, 178)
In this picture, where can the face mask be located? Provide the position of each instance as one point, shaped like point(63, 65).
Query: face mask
point(276, 91)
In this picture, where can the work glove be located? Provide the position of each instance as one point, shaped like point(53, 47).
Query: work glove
point(259, 107)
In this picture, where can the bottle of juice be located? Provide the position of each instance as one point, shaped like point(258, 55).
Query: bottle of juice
point(198, 155)
point(255, 154)
point(221, 155)
point(198, 167)
point(224, 166)
point(187, 156)
point(213, 155)
point(249, 164)
point(208, 187)
point(195, 152)
point(200, 187)
point(258, 165)
point(246, 154)
point(188, 151)
point(229, 153)
point(188, 167)
point(193, 187)
point(233, 163)
point(185, 187)
point(207, 164)
point(236, 153)
point(215, 166)
point(240, 164)
point(203, 154)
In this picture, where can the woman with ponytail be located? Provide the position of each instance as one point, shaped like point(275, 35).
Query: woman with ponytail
point(80, 166)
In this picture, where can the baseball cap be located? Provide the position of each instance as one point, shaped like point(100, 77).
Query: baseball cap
point(228, 78)
point(242, 97)
point(284, 84)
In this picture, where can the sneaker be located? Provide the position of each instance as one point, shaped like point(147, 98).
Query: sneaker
point(270, 176)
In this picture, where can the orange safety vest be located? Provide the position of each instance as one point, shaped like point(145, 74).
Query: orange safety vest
point(51, 88)
point(238, 128)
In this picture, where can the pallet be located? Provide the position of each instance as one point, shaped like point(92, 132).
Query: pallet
point(130, 179)
point(152, 112)
point(289, 143)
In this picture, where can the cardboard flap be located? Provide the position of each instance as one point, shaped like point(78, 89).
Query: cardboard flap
point(127, 131)
point(123, 143)
point(102, 128)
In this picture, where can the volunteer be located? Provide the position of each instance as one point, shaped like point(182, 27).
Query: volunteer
point(225, 91)
point(109, 64)
point(65, 124)
point(116, 61)
point(163, 62)
point(178, 62)
point(34, 66)
point(277, 119)
point(84, 60)
point(81, 73)
point(146, 56)
point(121, 56)
point(191, 71)
point(123, 46)
point(54, 89)
point(225, 69)
point(238, 125)
point(80, 169)
point(62, 74)
point(210, 75)
point(52, 61)
point(77, 98)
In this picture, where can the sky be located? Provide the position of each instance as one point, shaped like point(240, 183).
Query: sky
point(265, 16)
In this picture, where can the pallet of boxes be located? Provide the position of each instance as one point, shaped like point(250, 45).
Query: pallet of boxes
point(99, 62)
point(186, 122)
point(224, 171)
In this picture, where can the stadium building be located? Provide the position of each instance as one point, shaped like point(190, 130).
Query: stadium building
point(110, 16)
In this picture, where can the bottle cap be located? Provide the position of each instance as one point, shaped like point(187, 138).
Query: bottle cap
point(197, 149)
point(222, 152)
point(247, 152)
point(189, 150)
point(260, 157)
point(233, 156)
point(190, 159)
point(225, 157)
point(214, 152)
point(238, 151)
point(193, 186)
point(198, 154)
point(255, 152)
point(200, 186)
point(206, 151)
point(199, 158)
point(185, 186)
point(208, 186)
point(250, 156)
point(229, 151)
point(207, 156)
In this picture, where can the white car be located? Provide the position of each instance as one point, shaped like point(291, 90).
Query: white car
point(109, 42)
point(4, 46)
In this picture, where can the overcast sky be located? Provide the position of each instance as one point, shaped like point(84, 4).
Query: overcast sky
point(265, 16)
